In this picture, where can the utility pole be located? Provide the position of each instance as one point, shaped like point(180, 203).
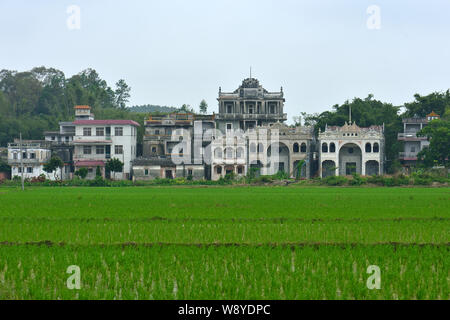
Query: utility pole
point(21, 160)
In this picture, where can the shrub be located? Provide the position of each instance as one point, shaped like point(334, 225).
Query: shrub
point(335, 181)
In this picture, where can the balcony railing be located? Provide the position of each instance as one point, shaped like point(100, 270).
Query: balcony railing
point(251, 116)
point(409, 136)
point(408, 155)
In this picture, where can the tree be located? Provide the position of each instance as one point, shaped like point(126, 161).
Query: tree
point(81, 173)
point(122, 93)
point(300, 165)
point(438, 152)
point(423, 105)
point(114, 165)
point(54, 163)
point(203, 106)
point(98, 172)
point(186, 108)
point(297, 121)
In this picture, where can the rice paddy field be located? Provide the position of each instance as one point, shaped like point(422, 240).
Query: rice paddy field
point(224, 242)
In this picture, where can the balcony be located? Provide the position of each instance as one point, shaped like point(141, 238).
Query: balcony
point(407, 155)
point(251, 116)
point(410, 136)
point(92, 140)
point(26, 161)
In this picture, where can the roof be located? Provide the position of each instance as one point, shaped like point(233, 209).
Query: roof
point(89, 163)
point(432, 114)
point(82, 107)
point(106, 122)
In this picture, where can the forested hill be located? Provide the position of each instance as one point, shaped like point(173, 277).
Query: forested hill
point(34, 101)
point(149, 108)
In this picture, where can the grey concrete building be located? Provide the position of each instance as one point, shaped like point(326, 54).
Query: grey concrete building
point(174, 146)
point(249, 106)
point(412, 144)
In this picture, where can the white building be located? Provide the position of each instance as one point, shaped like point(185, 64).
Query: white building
point(265, 149)
point(97, 141)
point(350, 149)
point(33, 154)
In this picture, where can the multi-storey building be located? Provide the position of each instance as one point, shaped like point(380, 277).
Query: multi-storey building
point(174, 146)
point(412, 144)
point(33, 155)
point(267, 150)
point(351, 149)
point(62, 146)
point(249, 106)
point(97, 141)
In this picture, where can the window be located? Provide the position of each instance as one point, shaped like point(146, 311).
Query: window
point(303, 147)
point(156, 132)
point(239, 169)
point(100, 149)
point(413, 149)
point(118, 149)
point(296, 148)
point(118, 131)
point(87, 132)
point(229, 153)
point(33, 155)
point(218, 153)
point(252, 147)
point(15, 155)
point(272, 108)
point(100, 132)
point(30, 170)
point(153, 149)
point(189, 172)
point(219, 170)
point(24, 155)
point(368, 147)
point(87, 150)
point(260, 147)
point(229, 127)
point(53, 138)
point(324, 147)
point(19, 169)
point(146, 172)
point(376, 147)
point(229, 109)
point(90, 170)
point(239, 153)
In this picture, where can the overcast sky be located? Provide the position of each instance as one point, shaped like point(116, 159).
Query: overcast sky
point(172, 52)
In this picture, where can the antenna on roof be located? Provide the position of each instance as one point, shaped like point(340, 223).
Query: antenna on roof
point(350, 114)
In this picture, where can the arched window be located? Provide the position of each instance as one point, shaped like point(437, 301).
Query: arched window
point(324, 147)
point(229, 153)
point(252, 147)
point(303, 147)
point(332, 147)
point(239, 153)
point(218, 153)
point(260, 147)
point(368, 147)
point(296, 148)
point(376, 147)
